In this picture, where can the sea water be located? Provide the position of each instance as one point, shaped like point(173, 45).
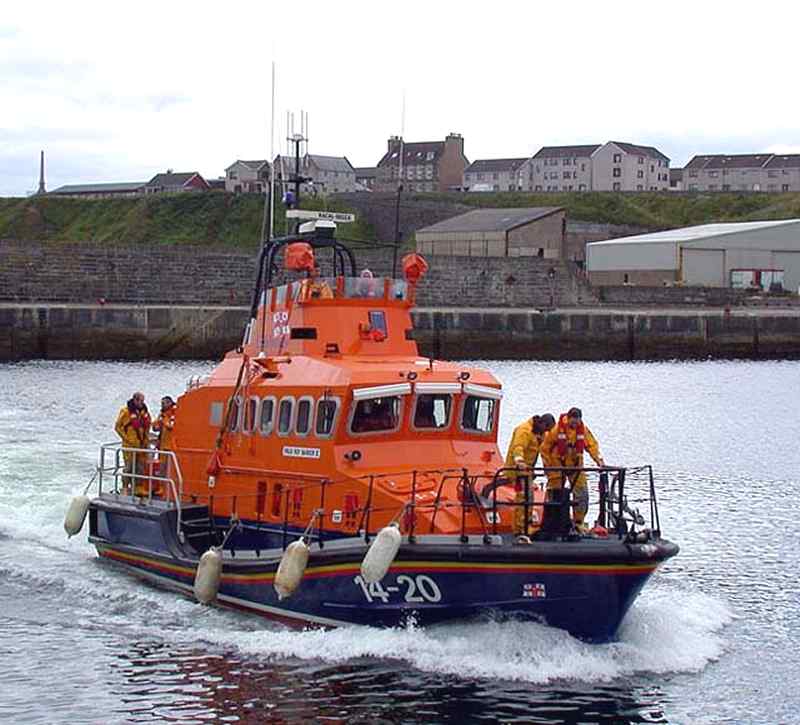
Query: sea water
point(712, 638)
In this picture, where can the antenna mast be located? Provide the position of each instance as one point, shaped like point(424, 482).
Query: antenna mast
point(399, 187)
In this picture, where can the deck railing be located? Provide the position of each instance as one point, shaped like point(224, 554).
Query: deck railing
point(615, 494)
point(146, 474)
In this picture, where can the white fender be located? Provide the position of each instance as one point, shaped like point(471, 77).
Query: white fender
point(291, 569)
point(208, 576)
point(76, 515)
point(381, 554)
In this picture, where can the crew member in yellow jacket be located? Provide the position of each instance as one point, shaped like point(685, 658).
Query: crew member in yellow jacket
point(522, 454)
point(133, 428)
point(164, 425)
point(564, 445)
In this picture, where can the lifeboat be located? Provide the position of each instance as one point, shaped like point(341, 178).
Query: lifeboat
point(336, 476)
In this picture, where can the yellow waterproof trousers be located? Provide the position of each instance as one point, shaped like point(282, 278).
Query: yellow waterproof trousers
point(580, 491)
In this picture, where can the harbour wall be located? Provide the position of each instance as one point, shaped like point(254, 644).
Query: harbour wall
point(135, 332)
point(183, 274)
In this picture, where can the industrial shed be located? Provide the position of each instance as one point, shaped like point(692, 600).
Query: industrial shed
point(531, 232)
point(744, 254)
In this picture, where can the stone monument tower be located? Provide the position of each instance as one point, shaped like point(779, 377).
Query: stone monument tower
point(42, 189)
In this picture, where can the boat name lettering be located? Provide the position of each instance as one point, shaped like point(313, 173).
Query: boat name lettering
point(300, 452)
point(417, 589)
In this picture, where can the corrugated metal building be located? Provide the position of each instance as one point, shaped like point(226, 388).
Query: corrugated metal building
point(743, 254)
point(527, 232)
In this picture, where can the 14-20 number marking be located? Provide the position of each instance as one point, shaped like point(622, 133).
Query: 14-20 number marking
point(417, 589)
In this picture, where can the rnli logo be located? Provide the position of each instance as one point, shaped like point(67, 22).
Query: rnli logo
point(534, 591)
point(300, 452)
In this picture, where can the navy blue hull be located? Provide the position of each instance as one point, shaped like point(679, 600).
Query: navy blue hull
point(584, 587)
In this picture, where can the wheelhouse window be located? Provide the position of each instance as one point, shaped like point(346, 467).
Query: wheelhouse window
point(216, 413)
point(326, 417)
point(303, 423)
point(478, 414)
point(234, 411)
point(376, 414)
point(266, 421)
point(433, 411)
point(249, 422)
point(285, 416)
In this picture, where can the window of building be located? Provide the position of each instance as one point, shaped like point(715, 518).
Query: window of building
point(429, 156)
point(495, 176)
point(232, 174)
point(692, 187)
point(477, 415)
point(566, 162)
point(784, 187)
point(772, 187)
point(639, 187)
point(433, 411)
point(640, 174)
point(581, 187)
point(538, 187)
point(376, 414)
point(693, 173)
point(652, 168)
point(583, 167)
point(640, 159)
point(617, 158)
point(713, 174)
point(726, 187)
point(772, 174)
point(616, 186)
point(712, 187)
point(617, 172)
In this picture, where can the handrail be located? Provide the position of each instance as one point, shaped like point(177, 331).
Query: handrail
point(469, 494)
point(118, 471)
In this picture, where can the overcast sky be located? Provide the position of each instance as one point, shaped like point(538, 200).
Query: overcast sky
point(118, 92)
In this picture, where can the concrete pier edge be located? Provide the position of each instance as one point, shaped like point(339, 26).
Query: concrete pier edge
point(144, 332)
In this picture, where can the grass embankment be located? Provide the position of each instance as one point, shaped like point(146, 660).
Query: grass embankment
point(658, 210)
point(224, 219)
point(213, 218)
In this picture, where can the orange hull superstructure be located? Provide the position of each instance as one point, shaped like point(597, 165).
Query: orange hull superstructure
point(319, 358)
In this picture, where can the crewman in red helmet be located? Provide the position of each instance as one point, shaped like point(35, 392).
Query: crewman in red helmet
point(564, 445)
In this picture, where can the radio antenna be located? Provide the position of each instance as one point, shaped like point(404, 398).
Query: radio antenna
point(399, 186)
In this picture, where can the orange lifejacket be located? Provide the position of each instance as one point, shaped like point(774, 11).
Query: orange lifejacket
point(562, 442)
